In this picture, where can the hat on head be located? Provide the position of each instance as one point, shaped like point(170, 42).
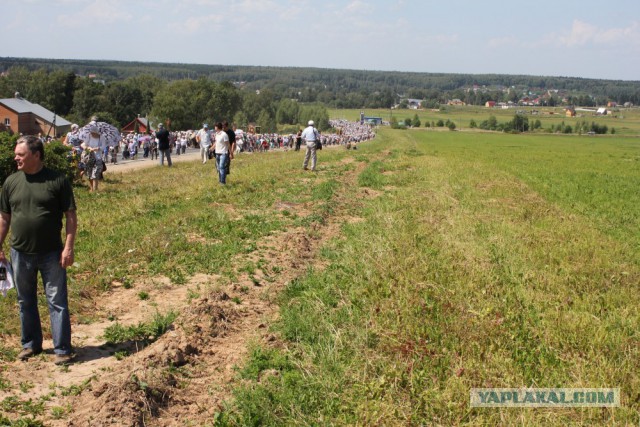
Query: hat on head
point(93, 129)
point(74, 126)
point(205, 125)
point(310, 122)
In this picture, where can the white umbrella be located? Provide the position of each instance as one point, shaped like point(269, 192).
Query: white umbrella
point(109, 134)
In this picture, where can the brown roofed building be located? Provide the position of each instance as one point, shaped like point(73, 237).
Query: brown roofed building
point(142, 125)
point(17, 115)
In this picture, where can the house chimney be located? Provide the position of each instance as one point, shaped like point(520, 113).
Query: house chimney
point(17, 95)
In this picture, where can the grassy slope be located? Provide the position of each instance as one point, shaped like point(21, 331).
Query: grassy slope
point(488, 261)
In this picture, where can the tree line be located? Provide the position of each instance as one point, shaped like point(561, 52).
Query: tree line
point(186, 95)
point(179, 104)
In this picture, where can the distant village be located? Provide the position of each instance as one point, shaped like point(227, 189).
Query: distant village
point(530, 99)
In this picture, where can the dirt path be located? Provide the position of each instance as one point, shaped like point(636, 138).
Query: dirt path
point(188, 373)
point(192, 155)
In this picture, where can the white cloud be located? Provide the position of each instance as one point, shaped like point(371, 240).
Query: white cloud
point(96, 13)
point(208, 23)
point(359, 7)
point(583, 33)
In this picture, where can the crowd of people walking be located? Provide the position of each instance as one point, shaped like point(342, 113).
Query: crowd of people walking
point(93, 153)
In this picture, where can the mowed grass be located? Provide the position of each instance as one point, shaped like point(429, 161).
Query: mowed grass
point(487, 260)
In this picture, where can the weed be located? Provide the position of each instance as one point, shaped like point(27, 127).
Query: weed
point(4, 384)
point(192, 295)
point(59, 412)
point(120, 355)
point(7, 354)
point(20, 422)
point(25, 386)
point(12, 404)
point(76, 389)
point(143, 332)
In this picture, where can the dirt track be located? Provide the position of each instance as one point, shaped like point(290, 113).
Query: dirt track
point(192, 154)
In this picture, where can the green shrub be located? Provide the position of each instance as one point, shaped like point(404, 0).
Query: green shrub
point(56, 156)
point(7, 164)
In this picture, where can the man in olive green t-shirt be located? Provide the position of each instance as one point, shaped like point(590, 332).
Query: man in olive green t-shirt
point(32, 203)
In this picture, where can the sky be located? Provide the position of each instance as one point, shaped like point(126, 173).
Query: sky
point(583, 38)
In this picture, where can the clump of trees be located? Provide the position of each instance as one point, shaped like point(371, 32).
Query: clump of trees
point(520, 123)
point(179, 104)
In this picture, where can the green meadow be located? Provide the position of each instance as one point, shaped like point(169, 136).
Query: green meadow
point(486, 260)
point(463, 260)
point(625, 121)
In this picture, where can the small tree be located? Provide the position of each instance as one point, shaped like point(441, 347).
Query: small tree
point(416, 121)
point(520, 123)
point(451, 126)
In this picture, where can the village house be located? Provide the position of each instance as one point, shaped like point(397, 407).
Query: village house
point(490, 104)
point(414, 104)
point(139, 125)
point(17, 115)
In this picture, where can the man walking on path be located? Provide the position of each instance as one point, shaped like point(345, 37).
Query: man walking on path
point(164, 145)
point(204, 139)
point(310, 136)
point(222, 152)
point(32, 203)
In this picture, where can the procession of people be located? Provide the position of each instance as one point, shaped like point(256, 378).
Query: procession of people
point(99, 144)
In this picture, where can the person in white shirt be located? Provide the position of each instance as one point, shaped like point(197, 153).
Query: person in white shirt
point(204, 139)
point(183, 143)
point(222, 148)
point(310, 135)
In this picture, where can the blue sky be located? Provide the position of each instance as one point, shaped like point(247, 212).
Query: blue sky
point(584, 38)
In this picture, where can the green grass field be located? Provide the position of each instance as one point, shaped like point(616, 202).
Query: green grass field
point(488, 260)
point(463, 260)
point(626, 122)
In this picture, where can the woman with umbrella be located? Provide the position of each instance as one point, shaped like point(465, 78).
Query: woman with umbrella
point(96, 136)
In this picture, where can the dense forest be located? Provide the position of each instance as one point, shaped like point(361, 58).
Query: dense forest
point(190, 93)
